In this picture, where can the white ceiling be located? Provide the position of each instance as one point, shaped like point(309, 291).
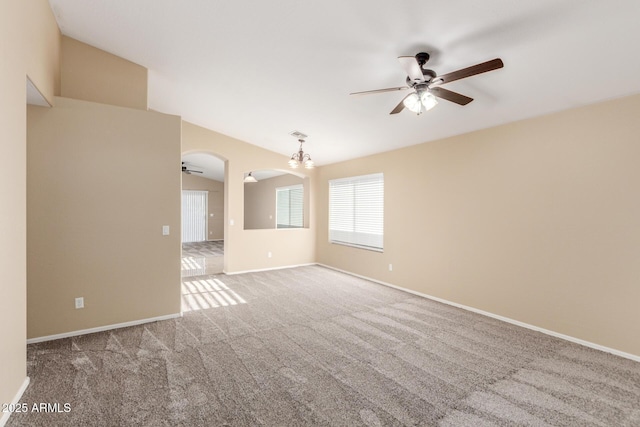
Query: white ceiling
point(210, 166)
point(213, 168)
point(262, 174)
point(34, 97)
point(256, 70)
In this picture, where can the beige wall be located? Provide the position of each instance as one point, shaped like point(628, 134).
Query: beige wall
point(215, 189)
point(248, 249)
point(102, 181)
point(538, 221)
point(29, 46)
point(94, 75)
point(260, 201)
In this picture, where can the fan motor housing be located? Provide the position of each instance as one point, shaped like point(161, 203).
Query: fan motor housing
point(428, 76)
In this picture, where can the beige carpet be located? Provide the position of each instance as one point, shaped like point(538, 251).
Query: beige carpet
point(311, 346)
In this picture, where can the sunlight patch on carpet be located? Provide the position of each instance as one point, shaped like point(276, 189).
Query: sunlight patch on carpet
point(208, 293)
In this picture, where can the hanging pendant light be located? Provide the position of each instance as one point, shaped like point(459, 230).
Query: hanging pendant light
point(250, 178)
point(299, 158)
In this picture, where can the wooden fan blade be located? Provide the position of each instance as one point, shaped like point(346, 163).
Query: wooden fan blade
point(399, 107)
point(411, 67)
point(391, 89)
point(449, 95)
point(494, 64)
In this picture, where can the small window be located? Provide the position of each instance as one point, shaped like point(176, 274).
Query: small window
point(356, 211)
point(289, 207)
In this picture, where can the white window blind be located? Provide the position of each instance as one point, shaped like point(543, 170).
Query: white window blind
point(356, 211)
point(289, 207)
point(194, 216)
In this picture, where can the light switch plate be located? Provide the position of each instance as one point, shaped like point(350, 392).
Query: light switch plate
point(165, 230)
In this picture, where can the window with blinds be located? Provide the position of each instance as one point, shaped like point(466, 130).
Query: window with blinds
point(289, 207)
point(194, 216)
point(356, 211)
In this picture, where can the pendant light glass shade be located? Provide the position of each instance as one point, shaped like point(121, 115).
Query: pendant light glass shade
point(250, 178)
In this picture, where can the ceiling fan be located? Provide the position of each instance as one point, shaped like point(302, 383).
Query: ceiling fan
point(426, 83)
point(185, 169)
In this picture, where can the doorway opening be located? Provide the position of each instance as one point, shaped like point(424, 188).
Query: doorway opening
point(203, 208)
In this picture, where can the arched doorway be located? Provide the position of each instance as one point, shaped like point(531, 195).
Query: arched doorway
point(203, 215)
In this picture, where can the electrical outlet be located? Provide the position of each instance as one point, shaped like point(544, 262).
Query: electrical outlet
point(269, 254)
point(390, 267)
point(80, 302)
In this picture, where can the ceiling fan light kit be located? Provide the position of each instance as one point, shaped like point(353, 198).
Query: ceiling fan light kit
point(418, 103)
point(426, 83)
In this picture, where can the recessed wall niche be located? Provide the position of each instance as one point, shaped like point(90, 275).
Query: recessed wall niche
point(278, 200)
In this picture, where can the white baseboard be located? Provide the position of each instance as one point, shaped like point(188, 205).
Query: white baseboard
point(269, 269)
point(496, 316)
point(102, 328)
point(16, 399)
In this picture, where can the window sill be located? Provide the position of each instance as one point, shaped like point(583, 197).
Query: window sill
point(367, 248)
